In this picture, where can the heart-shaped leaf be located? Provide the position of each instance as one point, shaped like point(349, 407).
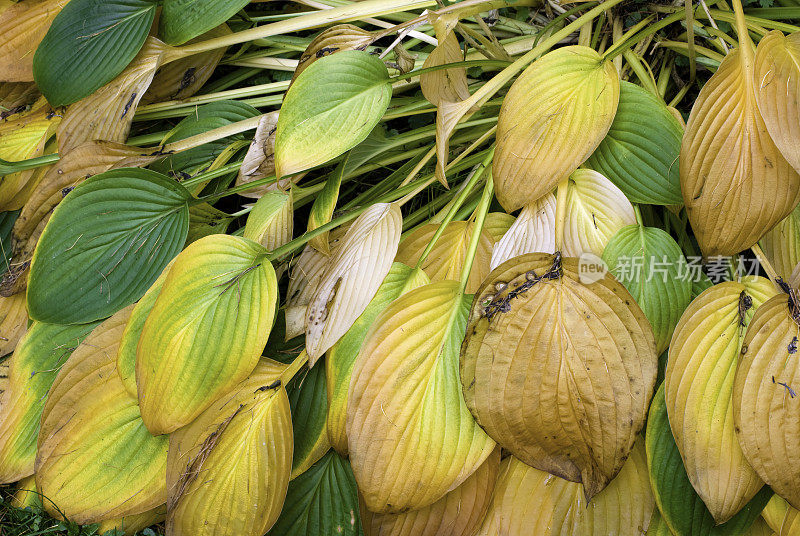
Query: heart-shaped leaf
point(640, 152)
point(589, 351)
point(331, 107)
point(533, 230)
point(105, 244)
point(196, 345)
point(553, 117)
point(34, 365)
point(323, 500)
point(648, 262)
point(410, 435)
point(228, 471)
point(682, 509)
point(95, 458)
point(446, 84)
point(766, 408)
point(89, 43)
point(182, 20)
point(698, 388)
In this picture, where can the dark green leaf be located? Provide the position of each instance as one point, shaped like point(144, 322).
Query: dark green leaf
point(308, 399)
point(105, 244)
point(182, 20)
point(89, 43)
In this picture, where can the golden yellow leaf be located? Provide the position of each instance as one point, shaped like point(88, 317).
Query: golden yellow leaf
point(553, 117)
point(448, 84)
point(561, 374)
point(791, 523)
point(533, 230)
point(459, 513)
point(775, 511)
point(228, 471)
point(25, 493)
point(96, 460)
point(735, 184)
point(130, 525)
point(409, 432)
point(698, 386)
point(766, 408)
point(22, 28)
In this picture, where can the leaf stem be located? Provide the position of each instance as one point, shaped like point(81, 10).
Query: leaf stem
point(453, 65)
point(474, 240)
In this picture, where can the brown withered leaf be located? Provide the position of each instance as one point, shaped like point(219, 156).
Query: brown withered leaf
point(559, 372)
point(332, 40)
point(15, 95)
point(259, 162)
point(22, 28)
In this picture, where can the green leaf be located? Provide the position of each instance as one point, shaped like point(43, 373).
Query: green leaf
point(640, 152)
point(309, 402)
point(646, 260)
point(323, 500)
point(34, 366)
point(206, 220)
point(89, 43)
point(105, 244)
point(331, 107)
point(182, 20)
point(680, 506)
point(204, 118)
point(324, 205)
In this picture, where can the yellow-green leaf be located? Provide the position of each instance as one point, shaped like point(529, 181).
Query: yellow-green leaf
point(271, 222)
point(781, 245)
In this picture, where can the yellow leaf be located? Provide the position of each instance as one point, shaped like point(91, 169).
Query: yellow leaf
point(22, 28)
point(25, 494)
point(96, 460)
point(735, 184)
point(459, 513)
point(698, 386)
point(533, 230)
point(130, 525)
point(13, 322)
point(554, 117)
point(766, 408)
point(448, 84)
point(196, 345)
point(775, 511)
point(781, 245)
point(352, 276)
point(562, 374)
point(528, 501)
point(271, 221)
point(410, 435)
point(228, 471)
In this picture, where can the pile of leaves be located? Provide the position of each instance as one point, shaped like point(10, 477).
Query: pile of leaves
point(399, 267)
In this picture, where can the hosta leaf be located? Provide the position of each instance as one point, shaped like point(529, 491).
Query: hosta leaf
point(271, 222)
point(777, 67)
point(775, 511)
point(554, 116)
point(323, 500)
point(133, 524)
point(227, 472)
point(735, 184)
point(308, 401)
point(13, 321)
point(791, 523)
point(324, 205)
point(765, 401)
point(530, 501)
point(410, 435)
point(34, 365)
point(342, 356)
point(446, 259)
point(352, 276)
point(682, 509)
point(533, 230)
point(596, 210)
point(658, 527)
point(259, 162)
point(15, 94)
point(197, 344)
point(73, 59)
point(594, 368)
point(23, 25)
point(331, 40)
point(647, 261)
point(105, 245)
point(7, 220)
point(459, 513)
point(331, 107)
point(95, 459)
point(107, 113)
point(25, 494)
point(205, 220)
point(448, 84)
point(182, 20)
point(781, 245)
point(640, 152)
point(698, 387)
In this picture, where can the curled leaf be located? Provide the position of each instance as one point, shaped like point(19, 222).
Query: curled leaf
point(352, 276)
point(259, 162)
point(196, 345)
point(698, 387)
point(410, 435)
point(594, 367)
point(448, 84)
point(533, 230)
point(228, 471)
point(554, 117)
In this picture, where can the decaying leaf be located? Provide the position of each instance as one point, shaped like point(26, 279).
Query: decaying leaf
point(22, 28)
point(448, 84)
point(558, 372)
point(409, 432)
point(698, 385)
point(332, 40)
point(271, 222)
point(766, 408)
point(352, 276)
point(13, 322)
point(228, 471)
point(736, 185)
point(533, 230)
point(554, 117)
point(96, 460)
point(259, 162)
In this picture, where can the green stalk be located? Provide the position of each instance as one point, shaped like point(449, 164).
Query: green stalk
point(474, 239)
point(7, 167)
